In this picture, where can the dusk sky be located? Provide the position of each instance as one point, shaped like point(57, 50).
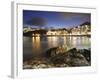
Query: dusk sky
point(54, 19)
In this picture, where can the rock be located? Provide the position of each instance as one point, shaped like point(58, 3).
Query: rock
point(71, 58)
point(75, 58)
point(50, 65)
point(58, 59)
point(27, 66)
point(86, 53)
point(39, 66)
point(50, 52)
point(55, 51)
point(78, 60)
point(62, 65)
point(72, 51)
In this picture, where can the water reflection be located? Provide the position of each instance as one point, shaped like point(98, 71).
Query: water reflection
point(52, 41)
point(36, 42)
point(65, 40)
point(38, 45)
point(80, 42)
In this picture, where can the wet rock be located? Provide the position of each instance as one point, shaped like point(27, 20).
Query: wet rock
point(72, 51)
point(55, 51)
point(50, 52)
point(62, 65)
point(75, 58)
point(39, 66)
point(37, 63)
point(71, 58)
point(78, 60)
point(57, 58)
point(27, 66)
point(86, 53)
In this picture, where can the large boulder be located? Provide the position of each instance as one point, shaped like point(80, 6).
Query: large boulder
point(56, 57)
point(86, 53)
point(76, 60)
point(50, 52)
point(55, 51)
point(71, 58)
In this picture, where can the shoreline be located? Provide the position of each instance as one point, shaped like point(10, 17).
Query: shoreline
point(72, 58)
point(58, 36)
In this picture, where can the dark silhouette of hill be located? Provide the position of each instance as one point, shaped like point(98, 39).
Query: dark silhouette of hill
point(85, 23)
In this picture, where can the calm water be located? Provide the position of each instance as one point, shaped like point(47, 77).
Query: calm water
point(36, 46)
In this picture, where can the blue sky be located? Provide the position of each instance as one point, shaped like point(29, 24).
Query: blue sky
point(54, 19)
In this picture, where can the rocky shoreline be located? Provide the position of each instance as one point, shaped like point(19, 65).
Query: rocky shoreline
point(60, 57)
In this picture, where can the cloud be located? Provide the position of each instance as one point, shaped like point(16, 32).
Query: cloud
point(70, 15)
point(37, 21)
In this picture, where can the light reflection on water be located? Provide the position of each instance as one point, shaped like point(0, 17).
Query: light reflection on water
point(38, 45)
